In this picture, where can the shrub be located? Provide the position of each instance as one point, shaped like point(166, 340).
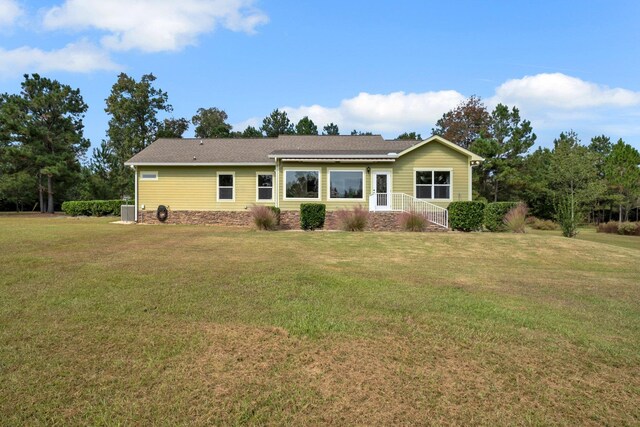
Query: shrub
point(466, 216)
point(607, 227)
point(494, 215)
point(629, 228)
point(93, 207)
point(412, 221)
point(276, 211)
point(515, 219)
point(541, 224)
point(312, 215)
point(353, 219)
point(567, 218)
point(264, 217)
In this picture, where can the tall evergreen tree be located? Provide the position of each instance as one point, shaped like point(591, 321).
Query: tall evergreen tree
point(43, 126)
point(504, 144)
point(622, 170)
point(306, 127)
point(572, 174)
point(277, 123)
point(331, 129)
point(133, 107)
point(410, 136)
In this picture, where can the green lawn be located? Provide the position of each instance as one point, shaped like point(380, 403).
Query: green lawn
point(112, 324)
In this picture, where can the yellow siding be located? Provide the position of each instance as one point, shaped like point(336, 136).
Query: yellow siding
point(433, 155)
point(195, 188)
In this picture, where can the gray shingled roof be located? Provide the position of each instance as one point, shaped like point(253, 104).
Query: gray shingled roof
point(257, 150)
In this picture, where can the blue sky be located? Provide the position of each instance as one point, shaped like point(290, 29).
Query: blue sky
point(379, 66)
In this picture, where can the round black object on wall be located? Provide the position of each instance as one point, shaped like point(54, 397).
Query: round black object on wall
point(162, 213)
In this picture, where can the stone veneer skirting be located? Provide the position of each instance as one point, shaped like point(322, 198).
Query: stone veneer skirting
point(289, 220)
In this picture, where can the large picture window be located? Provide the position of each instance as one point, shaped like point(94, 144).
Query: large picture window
point(346, 184)
point(433, 184)
point(265, 186)
point(301, 184)
point(225, 186)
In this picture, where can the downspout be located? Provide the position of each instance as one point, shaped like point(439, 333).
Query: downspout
point(277, 192)
point(135, 195)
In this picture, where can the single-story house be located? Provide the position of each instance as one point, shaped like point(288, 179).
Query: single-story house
point(218, 180)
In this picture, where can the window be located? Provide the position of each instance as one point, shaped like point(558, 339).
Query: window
point(302, 184)
point(265, 186)
point(346, 184)
point(433, 184)
point(148, 176)
point(225, 186)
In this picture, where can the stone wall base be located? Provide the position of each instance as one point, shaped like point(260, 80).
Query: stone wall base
point(227, 218)
point(289, 220)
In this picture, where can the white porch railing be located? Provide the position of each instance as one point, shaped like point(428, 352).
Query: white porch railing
point(401, 202)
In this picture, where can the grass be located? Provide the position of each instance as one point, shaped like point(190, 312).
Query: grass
point(589, 234)
point(106, 324)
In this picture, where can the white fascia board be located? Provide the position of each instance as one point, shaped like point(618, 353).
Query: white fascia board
point(197, 164)
point(333, 156)
point(336, 160)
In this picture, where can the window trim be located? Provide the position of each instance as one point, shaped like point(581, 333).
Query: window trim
point(148, 179)
point(284, 184)
point(432, 170)
point(344, 199)
point(273, 187)
point(233, 187)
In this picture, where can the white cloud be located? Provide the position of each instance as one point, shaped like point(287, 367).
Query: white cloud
point(560, 91)
point(154, 25)
point(552, 102)
point(10, 11)
point(388, 113)
point(80, 57)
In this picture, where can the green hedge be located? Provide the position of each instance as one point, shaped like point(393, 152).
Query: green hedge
point(312, 215)
point(93, 207)
point(466, 216)
point(494, 214)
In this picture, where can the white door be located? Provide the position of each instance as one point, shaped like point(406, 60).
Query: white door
point(382, 190)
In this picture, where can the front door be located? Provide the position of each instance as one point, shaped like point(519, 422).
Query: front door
point(381, 189)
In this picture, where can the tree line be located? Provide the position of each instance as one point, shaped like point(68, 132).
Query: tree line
point(44, 159)
point(594, 182)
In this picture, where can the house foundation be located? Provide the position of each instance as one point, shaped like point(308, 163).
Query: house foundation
point(289, 220)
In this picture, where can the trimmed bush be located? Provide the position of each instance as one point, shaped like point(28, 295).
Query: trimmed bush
point(264, 217)
point(276, 211)
point(466, 215)
point(607, 227)
point(312, 215)
point(412, 221)
point(494, 215)
point(516, 219)
point(541, 224)
point(353, 219)
point(624, 228)
point(93, 207)
point(628, 228)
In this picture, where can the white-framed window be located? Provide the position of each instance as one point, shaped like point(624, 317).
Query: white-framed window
point(264, 184)
point(226, 186)
point(148, 175)
point(433, 184)
point(346, 184)
point(301, 184)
